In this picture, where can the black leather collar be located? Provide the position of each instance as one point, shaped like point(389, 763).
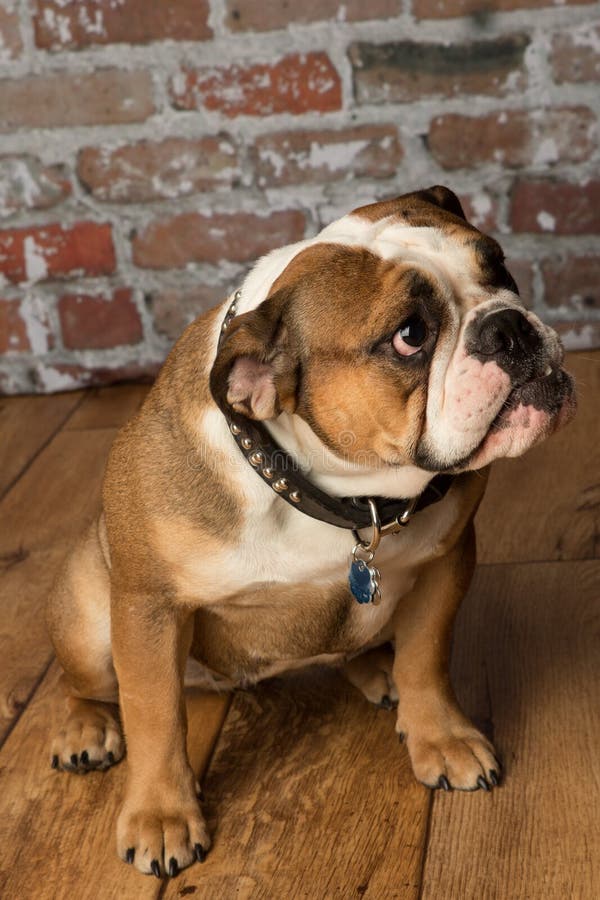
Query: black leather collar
point(279, 470)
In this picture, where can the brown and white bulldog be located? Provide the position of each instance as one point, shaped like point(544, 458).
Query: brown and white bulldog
point(300, 487)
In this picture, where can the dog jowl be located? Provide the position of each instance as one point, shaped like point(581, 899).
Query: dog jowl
point(356, 386)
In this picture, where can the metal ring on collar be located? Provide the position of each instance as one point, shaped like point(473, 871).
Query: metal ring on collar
point(369, 548)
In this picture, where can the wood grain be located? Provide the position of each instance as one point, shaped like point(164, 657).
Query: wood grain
point(60, 491)
point(108, 407)
point(529, 633)
point(546, 505)
point(26, 425)
point(57, 831)
point(310, 795)
point(40, 516)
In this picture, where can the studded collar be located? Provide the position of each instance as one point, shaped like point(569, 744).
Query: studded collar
point(281, 472)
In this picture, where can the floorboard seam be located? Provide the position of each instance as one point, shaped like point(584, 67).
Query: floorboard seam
point(28, 700)
point(537, 562)
point(425, 845)
point(41, 448)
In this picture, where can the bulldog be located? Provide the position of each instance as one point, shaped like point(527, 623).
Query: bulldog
point(299, 487)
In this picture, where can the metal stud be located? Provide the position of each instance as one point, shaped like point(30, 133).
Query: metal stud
point(235, 429)
point(268, 473)
point(280, 485)
point(237, 296)
point(257, 458)
point(295, 496)
point(247, 444)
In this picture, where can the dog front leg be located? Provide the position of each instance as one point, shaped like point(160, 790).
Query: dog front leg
point(160, 827)
point(445, 749)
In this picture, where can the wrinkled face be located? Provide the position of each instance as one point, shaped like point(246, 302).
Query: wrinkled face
point(400, 339)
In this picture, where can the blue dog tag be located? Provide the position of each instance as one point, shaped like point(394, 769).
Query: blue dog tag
point(363, 581)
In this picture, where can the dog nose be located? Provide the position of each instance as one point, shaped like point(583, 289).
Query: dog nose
point(506, 334)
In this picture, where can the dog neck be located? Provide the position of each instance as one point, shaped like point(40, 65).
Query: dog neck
point(341, 477)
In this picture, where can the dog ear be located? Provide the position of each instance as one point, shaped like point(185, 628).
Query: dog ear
point(255, 372)
point(416, 207)
point(444, 198)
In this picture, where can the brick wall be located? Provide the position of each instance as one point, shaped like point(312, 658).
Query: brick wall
point(149, 151)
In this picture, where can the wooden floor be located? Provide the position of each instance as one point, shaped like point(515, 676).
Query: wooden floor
point(308, 793)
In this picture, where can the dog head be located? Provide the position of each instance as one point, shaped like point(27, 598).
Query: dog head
point(398, 337)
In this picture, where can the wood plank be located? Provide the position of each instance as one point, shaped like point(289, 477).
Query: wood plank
point(59, 492)
point(108, 407)
point(26, 424)
point(546, 505)
point(25, 648)
point(46, 509)
point(530, 632)
point(309, 794)
point(57, 830)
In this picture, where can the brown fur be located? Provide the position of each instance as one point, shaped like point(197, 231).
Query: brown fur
point(168, 506)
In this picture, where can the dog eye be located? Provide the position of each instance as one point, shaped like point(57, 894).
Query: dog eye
point(410, 337)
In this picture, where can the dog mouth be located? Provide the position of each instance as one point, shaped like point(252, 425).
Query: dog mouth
point(531, 412)
point(546, 393)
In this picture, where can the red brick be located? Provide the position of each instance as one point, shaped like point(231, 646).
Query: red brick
point(572, 282)
point(481, 210)
point(26, 183)
point(522, 271)
point(41, 252)
point(446, 9)
point(173, 309)
point(576, 56)
point(57, 99)
point(300, 157)
point(579, 335)
point(406, 70)
point(73, 24)
point(13, 332)
point(295, 84)
point(556, 207)
point(513, 138)
point(11, 43)
point(190, 237)
point(98, 322)
point(146, 171)
point(268, 15)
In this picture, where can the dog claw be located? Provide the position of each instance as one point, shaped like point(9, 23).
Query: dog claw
point(173, 868)
point(130, 855)
point(111, 757)
point(74, 759)
point(155, 866)
point(401, 737)
point(54, 763)
point(443, 783)
point(200, 852)
point(85, 758)
point(386, 702)
point(482, 783)
point(494, 778)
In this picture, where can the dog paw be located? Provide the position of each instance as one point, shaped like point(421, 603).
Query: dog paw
point(371, 673)
point(465, 761)
point(162, 840)
point(90, 740)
